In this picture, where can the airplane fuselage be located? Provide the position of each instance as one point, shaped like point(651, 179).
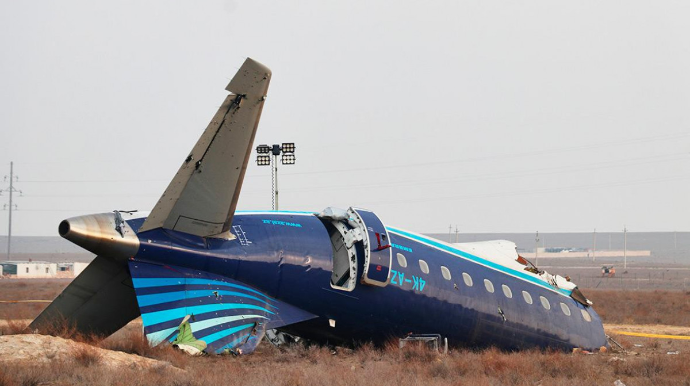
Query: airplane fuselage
point(289, 256)
point(205, 277)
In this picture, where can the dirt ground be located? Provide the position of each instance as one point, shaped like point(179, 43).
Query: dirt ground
point(640, 274)
point(639, 360)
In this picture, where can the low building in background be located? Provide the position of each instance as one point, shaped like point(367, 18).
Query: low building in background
point(582, 252)
point(29, 269)
point(72, 269)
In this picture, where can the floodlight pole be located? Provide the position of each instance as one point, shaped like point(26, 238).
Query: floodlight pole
point(275, 181)
point(263, 158)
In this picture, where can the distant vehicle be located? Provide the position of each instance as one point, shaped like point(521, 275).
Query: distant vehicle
point(222, 279)
point(608, 271)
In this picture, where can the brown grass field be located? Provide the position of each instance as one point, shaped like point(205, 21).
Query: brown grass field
point(645, 361)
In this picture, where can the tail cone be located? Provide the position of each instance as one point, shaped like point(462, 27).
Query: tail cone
point(104, 234)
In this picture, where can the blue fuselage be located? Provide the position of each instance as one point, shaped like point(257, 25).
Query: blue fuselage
point(289, 256)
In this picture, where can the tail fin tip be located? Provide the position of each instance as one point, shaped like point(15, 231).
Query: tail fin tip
point(249, 79)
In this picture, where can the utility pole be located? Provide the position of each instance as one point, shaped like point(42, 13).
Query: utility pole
point(11, 207)
point(450, 229)
point(625, 247)
point(536, 249)
point(609, 241)
point(594, 244)
point(456, 234)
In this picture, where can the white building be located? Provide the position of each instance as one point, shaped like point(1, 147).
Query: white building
point(71, 269)
point(29, 269)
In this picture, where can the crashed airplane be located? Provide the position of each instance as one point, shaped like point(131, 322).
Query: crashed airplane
point(213, 279)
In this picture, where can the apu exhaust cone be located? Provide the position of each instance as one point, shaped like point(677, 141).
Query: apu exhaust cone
point(104, 234)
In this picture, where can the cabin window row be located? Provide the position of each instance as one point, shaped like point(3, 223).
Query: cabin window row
point(402, 261)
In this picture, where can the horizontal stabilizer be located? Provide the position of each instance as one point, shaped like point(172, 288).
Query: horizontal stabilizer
point(223, 313)
point(202, 197)
point(100, 300)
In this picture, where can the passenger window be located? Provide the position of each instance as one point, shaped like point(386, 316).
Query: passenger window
point(467, 279)
point(423, 266)
point(445, 272)
point(527, 297)
point(565, 309)
point(506, 291)
point(545, 302)
point(489, 285)
point(402, 261)
point(586, 315)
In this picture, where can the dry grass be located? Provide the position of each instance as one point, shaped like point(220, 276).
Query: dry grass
point(366, 365)
point(13, 327)
point(86, 356)
point(642, 307)
point(131, 340)
point(298, 365)
point(28, 289)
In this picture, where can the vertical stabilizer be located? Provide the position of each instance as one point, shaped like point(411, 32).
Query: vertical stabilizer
point(202, 197)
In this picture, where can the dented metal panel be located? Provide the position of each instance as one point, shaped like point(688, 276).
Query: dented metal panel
point(202, 197)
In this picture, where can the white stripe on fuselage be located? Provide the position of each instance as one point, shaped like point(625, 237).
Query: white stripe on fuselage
point(425, 240)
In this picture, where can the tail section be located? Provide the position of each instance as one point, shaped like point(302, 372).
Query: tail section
point(202, 198)
point(222, 313)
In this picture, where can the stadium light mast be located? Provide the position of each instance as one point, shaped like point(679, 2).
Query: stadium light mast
point(263, 158)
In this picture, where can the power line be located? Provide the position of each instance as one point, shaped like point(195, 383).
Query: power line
point(115, 181)
point(504, 174)
point(89, 195)
point(66, 210)
point(666, 137)
point(510, 193)
point(477, 177)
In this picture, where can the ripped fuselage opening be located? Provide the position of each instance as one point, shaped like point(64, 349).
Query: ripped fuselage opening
point(344, 274)
point(344, 239)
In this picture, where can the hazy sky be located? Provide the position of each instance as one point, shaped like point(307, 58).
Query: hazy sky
point(495, 116)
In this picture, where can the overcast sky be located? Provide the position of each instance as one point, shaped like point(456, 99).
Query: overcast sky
point(495, 116)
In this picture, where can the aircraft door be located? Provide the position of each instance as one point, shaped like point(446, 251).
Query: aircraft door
point(378, 255)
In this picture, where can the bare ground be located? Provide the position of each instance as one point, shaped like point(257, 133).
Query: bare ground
point(644, 361)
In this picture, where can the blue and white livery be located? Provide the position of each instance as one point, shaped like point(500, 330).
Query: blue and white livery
point(336, 276)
